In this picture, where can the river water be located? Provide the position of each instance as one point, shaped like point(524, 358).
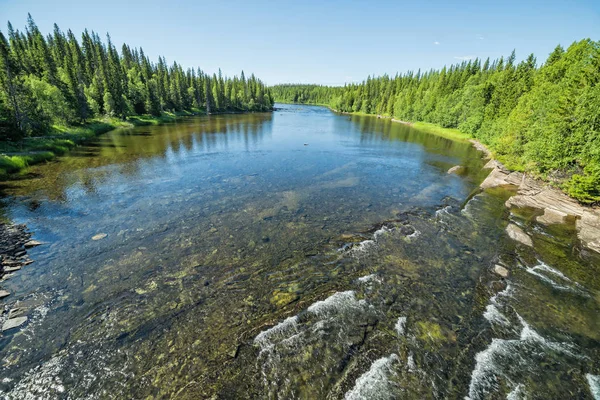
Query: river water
point(299, 254)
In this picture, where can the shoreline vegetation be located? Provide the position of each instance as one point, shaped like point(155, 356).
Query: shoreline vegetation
point(57, 91)
point(543, 120)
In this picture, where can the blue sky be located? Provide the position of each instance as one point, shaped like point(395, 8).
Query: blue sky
point(326, 42)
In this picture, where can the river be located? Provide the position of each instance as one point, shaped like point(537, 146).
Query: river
point(299, 254)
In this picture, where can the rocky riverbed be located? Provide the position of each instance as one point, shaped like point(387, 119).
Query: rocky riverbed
point(14, 242)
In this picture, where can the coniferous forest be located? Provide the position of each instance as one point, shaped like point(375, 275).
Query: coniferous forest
point(543, 119)
point(58, 80)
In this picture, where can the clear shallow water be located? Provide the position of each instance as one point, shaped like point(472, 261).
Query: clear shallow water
point(298, 254)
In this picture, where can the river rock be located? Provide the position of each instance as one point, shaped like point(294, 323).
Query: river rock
point(516, 233)
point(500, 270)
point(8, 270)
point(99, 236)
point(32, 243)
point(4, 293)
point(457, 169)
point(13, 323)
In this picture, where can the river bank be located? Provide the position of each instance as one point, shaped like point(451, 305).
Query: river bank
point(17, 156)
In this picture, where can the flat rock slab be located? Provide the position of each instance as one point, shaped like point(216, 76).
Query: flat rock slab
point(99, 236)
point(516, 233)
point(12, 269)
point(13, 323)
point(4, 293)
point(32, 243)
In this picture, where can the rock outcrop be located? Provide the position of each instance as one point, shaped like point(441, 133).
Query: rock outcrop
point(557, 207)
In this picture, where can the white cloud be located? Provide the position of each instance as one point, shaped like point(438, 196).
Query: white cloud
point(479, 36)
point(465, 58)
point(436, 43)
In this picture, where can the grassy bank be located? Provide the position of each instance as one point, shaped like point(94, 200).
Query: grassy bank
point(449, 133)
point(16, 156)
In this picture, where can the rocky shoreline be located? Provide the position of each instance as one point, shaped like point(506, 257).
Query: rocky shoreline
point(14, 242)
point(555, 206)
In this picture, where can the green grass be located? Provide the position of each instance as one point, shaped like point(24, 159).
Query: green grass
point(448, 133)
point(17, 156)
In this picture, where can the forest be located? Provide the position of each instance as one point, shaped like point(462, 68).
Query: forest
point(543, 120)
point(56, 81)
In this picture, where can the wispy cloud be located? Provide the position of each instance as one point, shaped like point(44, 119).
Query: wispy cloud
point(479, 36)
point(436, 43)
point(465, 58)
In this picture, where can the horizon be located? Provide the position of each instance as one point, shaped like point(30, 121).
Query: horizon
point(306, 34)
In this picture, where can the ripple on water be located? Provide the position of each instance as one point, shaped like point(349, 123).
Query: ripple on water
point(542, 270)
point(375, 383)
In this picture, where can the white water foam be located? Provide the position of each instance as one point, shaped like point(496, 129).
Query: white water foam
point(494, 315)
point(41, 382)
point(410, 362)
point(401, 326)
point(414, 235)
point(369, 278)
point(445, 210)
point(375, 383)
point(594, 383)
point(281, 346)
point(340, 300)
point(507, 292)
point(518, 393)
point(265, 339)
point(384, 229)
point(489, 362)
point(539, 269)
point(362, 247)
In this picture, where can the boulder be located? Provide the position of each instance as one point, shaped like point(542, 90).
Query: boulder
point(4, 293)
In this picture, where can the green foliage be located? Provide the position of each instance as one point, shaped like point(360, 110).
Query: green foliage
point(58, 80)
point(543, 120)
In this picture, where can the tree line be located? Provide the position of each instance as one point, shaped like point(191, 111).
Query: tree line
point(58, 80)
point(539, 119)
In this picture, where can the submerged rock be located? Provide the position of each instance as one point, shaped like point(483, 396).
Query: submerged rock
point(552, 216)
point(516, 233)
point(500, 270)
point(13, 323)
point(457, 169)
point(99, 236)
